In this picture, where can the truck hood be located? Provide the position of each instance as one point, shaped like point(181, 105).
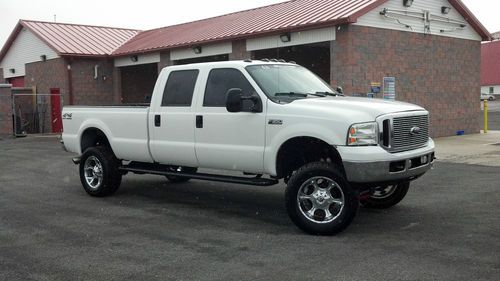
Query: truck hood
point(369, 108)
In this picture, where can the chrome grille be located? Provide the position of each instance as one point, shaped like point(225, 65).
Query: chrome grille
point(409, 132)
point(403, 131)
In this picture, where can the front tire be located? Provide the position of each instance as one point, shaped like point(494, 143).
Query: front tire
point(99, 172)
point(319, 200)
point(385, 197)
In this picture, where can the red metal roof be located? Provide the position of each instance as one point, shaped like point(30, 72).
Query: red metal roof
point(291, 15)
point(490, 63)
point(74, 39)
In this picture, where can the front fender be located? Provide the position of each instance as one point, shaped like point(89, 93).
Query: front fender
point(276, 139)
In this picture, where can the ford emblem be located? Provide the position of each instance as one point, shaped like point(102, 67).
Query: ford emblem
point(415, 131)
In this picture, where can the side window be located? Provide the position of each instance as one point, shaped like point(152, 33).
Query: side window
point(180, 87)
point(220, 81)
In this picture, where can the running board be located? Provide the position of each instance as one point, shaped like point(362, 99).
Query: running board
point(155, 169)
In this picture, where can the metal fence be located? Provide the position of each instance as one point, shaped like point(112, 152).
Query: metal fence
point(32, 112)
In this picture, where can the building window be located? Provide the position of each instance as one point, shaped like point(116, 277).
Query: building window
point(180, 87)
point(492, 90)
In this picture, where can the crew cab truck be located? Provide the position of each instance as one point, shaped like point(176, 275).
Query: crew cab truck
point(267, 120)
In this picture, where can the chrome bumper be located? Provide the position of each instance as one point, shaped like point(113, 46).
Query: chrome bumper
point(388, 171)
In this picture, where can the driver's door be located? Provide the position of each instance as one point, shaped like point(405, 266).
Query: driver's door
point(230, 141)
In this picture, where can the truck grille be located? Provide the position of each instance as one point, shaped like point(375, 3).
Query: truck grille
point(407, 132)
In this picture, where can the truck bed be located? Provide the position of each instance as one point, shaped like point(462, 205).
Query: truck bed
point(126, 127)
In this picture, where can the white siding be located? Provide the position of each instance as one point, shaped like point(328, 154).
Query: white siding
point(486, 89)
point(141, 59)
point(206, 51)
point(297, 38)
point(25, 49)
point(374, 19)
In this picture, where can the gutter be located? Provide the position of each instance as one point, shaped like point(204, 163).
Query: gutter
point(70, 81)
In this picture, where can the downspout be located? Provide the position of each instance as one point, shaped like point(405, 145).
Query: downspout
point(70, 82)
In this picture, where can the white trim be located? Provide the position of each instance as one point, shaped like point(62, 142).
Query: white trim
point(26, 48)
point(297, 38)
point(206, 51)
point(416, 23)
point(141, 59)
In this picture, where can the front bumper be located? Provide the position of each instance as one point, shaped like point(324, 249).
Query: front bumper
point(363, 169)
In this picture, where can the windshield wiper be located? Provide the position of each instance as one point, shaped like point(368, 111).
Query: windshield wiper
point(329, 94)
point(291, 94)
point(299, 94)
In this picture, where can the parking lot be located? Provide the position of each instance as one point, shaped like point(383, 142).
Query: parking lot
point(446, 229)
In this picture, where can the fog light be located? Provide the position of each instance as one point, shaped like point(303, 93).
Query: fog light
point(424, 159)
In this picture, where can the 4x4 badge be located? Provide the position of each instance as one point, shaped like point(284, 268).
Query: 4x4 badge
point(275, 122)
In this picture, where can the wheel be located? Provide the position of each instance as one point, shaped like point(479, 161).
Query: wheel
point(319, 200)
point(99, 172)
point(490, 98)
point(178, 179)
point(386, 196)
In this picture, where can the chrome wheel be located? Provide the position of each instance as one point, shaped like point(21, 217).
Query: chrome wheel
point(382, 192)
point(93, 172)
point(320, 199)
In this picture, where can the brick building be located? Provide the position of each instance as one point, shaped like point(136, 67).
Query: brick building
point(490, 66)
point(430, 48)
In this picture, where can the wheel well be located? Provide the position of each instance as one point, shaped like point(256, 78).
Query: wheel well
point(93, 137)
point(299, 151)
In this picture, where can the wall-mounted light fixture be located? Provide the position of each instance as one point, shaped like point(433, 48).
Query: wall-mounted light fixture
point(407, 3)
point(12, 70)
point(134, 58)
point(197, 50)
point(43, 57)
point(445, 10)
point(286, 37)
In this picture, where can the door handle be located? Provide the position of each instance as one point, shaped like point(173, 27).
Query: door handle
point(157, 120)
point(199, 121)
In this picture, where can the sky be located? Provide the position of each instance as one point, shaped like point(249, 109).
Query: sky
point(148, 14)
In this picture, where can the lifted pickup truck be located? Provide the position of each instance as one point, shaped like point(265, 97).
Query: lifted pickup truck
point(269, 120)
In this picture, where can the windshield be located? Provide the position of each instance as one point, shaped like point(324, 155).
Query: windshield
point(281, 82)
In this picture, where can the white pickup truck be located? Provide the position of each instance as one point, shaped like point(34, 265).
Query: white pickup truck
point(267, 120)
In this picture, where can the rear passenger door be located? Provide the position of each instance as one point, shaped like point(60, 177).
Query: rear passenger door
point(230, 141)
point(172, 120)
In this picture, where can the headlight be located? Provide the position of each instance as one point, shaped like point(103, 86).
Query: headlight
point(363, 134)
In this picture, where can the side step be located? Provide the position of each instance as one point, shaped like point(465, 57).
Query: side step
point(157, 169)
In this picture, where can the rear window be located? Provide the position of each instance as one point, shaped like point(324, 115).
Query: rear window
point(180, 87)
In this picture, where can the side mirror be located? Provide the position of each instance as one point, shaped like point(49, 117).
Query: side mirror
point(234, 100)
point(340, 90)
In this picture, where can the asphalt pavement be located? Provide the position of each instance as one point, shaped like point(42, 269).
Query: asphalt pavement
point(446, 229)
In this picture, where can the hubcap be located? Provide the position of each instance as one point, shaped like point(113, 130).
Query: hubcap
point(320, 200)
point(93, 172)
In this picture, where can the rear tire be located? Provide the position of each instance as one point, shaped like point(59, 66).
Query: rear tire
point(386, 197)
point(179, 179)
point(99, 172)
point(319, 200)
